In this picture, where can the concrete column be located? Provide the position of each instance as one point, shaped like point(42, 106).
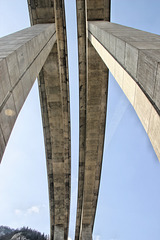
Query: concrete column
point(92, 106)
point(97, 89)
point(81, 22)
point(55, 106)
point(22, 56)
point(59, 232)
point(86, 233)
point(133, 58)
point(64, 80)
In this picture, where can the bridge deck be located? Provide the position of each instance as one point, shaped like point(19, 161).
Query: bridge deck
point(133, 58)
point(22, 56)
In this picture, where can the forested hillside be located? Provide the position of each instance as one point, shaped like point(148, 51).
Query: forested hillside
point(24, 233)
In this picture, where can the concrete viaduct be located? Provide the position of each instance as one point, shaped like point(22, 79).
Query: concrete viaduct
point(132, 56)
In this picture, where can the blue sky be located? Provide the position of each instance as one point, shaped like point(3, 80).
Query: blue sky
point(128, 206)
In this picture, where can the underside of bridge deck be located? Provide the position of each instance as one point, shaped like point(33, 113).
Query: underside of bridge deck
point(22, 55)
point(133, 58)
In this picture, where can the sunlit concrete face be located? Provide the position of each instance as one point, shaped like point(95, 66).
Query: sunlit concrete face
point(22, 56)
point(133, 59)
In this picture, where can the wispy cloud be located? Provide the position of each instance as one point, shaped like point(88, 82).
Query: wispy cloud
point(33, 209)
point(98, 237)
point(28, 211)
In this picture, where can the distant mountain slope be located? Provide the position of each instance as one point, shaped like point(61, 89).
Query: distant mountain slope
point(5, 230)
point(18, 236)
point(24, 233)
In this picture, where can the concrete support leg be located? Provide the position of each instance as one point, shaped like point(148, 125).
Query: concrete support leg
point(22, 56)
point(86, 233)
point(63, 75)
point(51, 106)
point(133, 58)
point(92, 109)
point(97, 89)
point(59, 232)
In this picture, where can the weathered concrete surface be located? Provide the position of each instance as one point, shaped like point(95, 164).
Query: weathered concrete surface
point(86, 234)
point(54, 95)
point(81, 21)
point(88, 83)
point(97, 90)
point(63, 70)
point(133, 57)
point(22, 56)
point(98, 10)
point(59, 232)
point(41, 11)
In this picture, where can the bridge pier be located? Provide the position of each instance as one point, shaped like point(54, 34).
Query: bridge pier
point(86, 233)
point(59, 232)
point(55, 108)
point(93, 75)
